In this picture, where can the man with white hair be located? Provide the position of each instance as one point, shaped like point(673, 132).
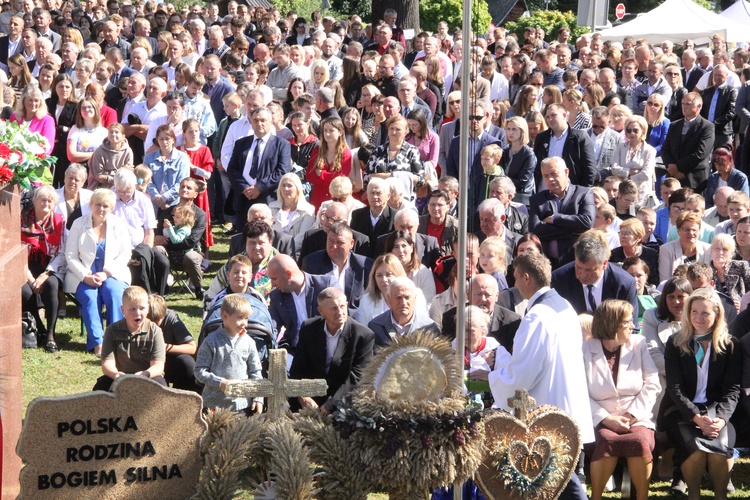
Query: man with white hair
point(139, 61)
point(197, 30)
point(492, 225)
point(43, 48)
point(216, 44)
point(328, 53)
point(720, 57)
point(691, 72)
point(325, 103)
point(69, 53)
point(136, 86)
point(504, 190)
point(427, 247)
point(378, 218)
point(718, 105)
point(149, 269)
point(403, 318)
point(280, 241)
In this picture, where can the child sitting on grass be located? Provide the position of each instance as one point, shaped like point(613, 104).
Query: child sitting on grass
point(229, 354)
point(133, 345)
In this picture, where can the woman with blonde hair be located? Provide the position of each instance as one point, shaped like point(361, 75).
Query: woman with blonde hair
point(623, 384)
point(635, 159)
point(355, 137)
point(593, 94)
point(292, 214)
point(434, 73)
point(372, 303)
point(527, 101)
point(331, 159)
point(190, 56)
point(518, 160)
point(578, 112)
point(618, 115)
point(163, 39)
point(319, 75)
point(704, 369)
point(365, 106)
point(72, 35)
point(31, 112)
point(536, 123)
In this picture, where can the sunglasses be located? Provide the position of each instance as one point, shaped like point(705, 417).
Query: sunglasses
point(476, 117)
point(671, 74)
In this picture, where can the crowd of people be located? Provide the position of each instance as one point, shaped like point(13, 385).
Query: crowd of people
point(608, 191)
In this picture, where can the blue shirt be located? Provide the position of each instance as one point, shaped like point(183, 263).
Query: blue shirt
point(167, 175)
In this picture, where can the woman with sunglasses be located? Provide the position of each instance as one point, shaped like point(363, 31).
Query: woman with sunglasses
point(673, 76)
point(635, 159)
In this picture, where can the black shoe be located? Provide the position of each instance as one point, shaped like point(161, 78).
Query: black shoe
point(51, 346)
point(199, 293)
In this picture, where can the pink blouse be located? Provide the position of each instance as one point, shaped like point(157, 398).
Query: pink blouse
point(428, 148)
point(44, 125)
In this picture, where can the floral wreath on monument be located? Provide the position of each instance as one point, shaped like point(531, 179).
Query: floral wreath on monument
point(23, 156)
point(408, 428)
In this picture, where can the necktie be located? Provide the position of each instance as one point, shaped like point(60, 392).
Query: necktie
point(592, 301)
point(256, 160)
point(115, 78)
point(712, 109)
point(405, 111)
point(198, 48)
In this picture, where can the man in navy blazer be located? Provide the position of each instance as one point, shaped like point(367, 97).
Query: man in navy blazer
point(342, 368)
point(591, 279)
point(294, 298)
point(404, 317)
point(378, 194)
point(257, 163)
point(562, 212)
point(690, 80)
point(338, 259)
point(15, 28)
point(427, 247)
point(478, 117)
point(577, 149)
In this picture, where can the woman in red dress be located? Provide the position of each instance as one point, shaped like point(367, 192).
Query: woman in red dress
point(201, 167)
point(331, 159)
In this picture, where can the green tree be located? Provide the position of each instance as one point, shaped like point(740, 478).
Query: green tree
point(550, 21)
point(451, 11)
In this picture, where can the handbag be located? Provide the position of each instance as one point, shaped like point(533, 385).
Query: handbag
point(694, 439)
point(29, 331)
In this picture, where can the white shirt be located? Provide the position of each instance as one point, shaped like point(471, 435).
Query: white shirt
point(300, 305)
point(597, 289)
point(332, 341)
point(598, 142)
point(259, 145)
point(129, 105)
point(402, 330)
point(237, 130)
point(340, 275)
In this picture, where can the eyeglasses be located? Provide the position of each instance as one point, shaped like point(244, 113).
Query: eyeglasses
point(631, 131)
point(476, 117)
point(325, 218)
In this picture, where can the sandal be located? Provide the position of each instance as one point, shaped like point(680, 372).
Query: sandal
point(51, 346)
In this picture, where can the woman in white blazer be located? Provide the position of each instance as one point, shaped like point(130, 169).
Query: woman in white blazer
point(97, 252)
point(662, 322)
point(635, 159)
point(292, 214)
point(686, 249)
point(623, 384)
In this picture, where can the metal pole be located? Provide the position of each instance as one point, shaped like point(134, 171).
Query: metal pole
point(463, 202)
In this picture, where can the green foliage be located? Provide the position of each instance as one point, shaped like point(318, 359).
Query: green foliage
point(451, 11)
point(550, 21)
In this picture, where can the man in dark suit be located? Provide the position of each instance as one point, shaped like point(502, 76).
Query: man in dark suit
point(280, 241)
point(333, 347)
point(608, 81)
point(591, 279)
point(718, 106)
point(350, 271)
point(257, 163)
point(377, 219)
point(12, 43)
point(691, 72)
point(315, 239)
point(560, 213)
point(294, 298)
point(503, 189)
point(687, 150)
point(478, 138)
point(427, 247)
point(573, 146)
point(483, 293)
point(404, 317)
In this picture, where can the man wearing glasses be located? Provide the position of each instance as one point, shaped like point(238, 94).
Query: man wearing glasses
point(480, 113)
point(315, 239)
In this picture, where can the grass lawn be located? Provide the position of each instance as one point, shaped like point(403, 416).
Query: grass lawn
point(72, 370)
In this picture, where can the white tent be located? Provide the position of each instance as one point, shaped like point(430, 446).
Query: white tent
point(678, 20)
point(739, 12)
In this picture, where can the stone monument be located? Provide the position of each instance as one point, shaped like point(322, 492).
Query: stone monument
point(142, 440)
point(12, 262)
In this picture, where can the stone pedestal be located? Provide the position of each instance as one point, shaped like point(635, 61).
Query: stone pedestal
point(12, 262)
